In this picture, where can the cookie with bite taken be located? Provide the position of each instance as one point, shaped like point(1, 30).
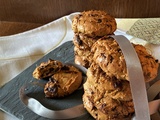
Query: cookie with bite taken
point(63, 83)
point(47, 69)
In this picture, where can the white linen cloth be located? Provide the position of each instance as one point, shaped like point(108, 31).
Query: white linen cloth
point(17, 52)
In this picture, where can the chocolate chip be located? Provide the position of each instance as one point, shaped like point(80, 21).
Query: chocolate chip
point(65, 67)
point(110, 59)
point(148, 56)
point(119, 50)
point(117, 84)
point(53, 89)
point(92, 92)
point(78, 40)
point(94, 15)
point(51, 69)
point(52, 80)
point(99, 20)
point(103, 55)
point(80, 15)
point(156, 61)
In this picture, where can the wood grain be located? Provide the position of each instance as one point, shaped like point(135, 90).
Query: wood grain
point(44, 11)
point(21, 15)
point(11, 28)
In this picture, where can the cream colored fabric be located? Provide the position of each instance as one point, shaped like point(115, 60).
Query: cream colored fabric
point(127, 26)
point(17, 52)
point(147, 29)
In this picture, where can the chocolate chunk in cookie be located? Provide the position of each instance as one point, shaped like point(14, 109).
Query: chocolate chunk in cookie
point(47, 69)
point(108, 55)
point(94, 23)
point(64, 82)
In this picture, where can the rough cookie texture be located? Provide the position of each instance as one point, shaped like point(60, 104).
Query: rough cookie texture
point(94, 23)
point(115, 88)
point(105, 97)
point(88, 27)
point(47, 69)
point(107, 94)
point(64, 82)
point(108, 55)
point(83, 57)
point(148, 62)
point(82, 49)
point(84, 42)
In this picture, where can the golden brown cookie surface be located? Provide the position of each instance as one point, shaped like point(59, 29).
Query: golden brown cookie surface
point(83, 56)
point(94, 23)
point(107, 93)
point(108, 55)
point(64, 82)
point(108, 108)
point(84, 42)
point(106, 97)
point(148, 62)
point(81, 61)
point(98, 80)
point(47, 69)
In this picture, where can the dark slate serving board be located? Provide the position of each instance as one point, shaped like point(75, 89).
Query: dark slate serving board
point(9, 93)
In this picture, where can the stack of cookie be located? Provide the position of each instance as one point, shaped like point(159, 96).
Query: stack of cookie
point(107, 94)
point(88, 27)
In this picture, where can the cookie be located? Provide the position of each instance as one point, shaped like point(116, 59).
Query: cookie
point(84, 42)
point(108, 55)
point(106, 97)
point(63, 83)
point(81, 61)
point(94, 23)
point(148, 62)
point(80, 44)
point(82, 49)
point(47, 69)
point(98, 80)
point(107, 108)
point(83, 57)
point(107, 93)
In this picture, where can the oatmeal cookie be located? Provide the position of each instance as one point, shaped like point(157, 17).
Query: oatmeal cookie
point(108, 55)
point(64, 82)
point(81, 61)
point(84, 42)
point(98, 80)
point(148, 62)
point(82, 49)
point(94, 23)
point(108, 108)
point(105, 97)
point(83, 57)
point(47, 69)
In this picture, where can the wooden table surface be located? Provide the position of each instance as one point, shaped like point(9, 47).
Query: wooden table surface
point(21, 15)
point(11, 28)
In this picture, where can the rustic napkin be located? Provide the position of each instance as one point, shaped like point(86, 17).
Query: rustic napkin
point(147, 29)
point(142, 31)
point(19, 51)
